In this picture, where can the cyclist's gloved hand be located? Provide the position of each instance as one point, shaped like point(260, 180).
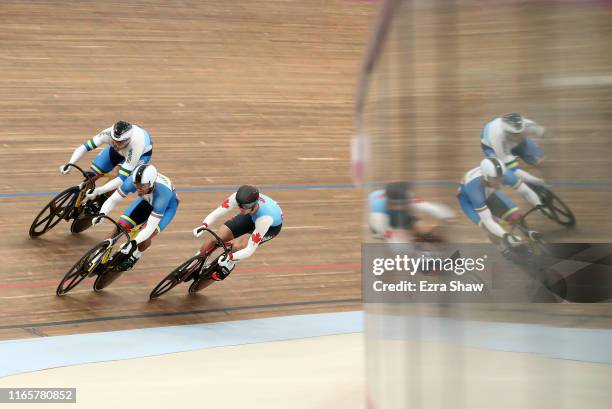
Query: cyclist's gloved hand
point(226, 261)
point(128, 247)
point(97, 220)
point(512, 240)
point(92, 194)
point(545, 183)
point(197, 232)
point(65, 169)
point(534, 235)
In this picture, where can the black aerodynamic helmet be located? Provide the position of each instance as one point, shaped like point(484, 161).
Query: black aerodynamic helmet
point(398, 192)
point(121, 131)
point(513, 123)
point(247, 196)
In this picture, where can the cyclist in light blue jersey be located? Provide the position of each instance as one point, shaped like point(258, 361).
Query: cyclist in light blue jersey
point(259, 220)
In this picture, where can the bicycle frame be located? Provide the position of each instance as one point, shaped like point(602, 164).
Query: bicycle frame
point(88, 180)
point(129, 236)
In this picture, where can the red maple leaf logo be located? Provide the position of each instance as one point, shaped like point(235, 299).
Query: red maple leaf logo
point(261, 199)
point(225, 204)
point(256, 238)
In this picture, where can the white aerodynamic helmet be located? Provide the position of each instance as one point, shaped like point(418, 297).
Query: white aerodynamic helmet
point(145, 175)
point(513, 123)
point(492, 168)
point(122, 131)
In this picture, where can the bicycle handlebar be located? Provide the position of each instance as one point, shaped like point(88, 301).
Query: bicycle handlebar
point(86, 175)
point(119, 227)
point(220, 242)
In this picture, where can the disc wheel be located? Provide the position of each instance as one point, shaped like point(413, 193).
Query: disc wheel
point(81, 223)
point(178, 275)
point(89, 264)
point(111, 273)
point(204, 280)
point(554, 208)
point(54, 212)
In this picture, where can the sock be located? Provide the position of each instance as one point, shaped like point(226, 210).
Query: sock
point(137, 253)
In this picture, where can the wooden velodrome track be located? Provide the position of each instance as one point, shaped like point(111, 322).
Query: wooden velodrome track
point(231, 92)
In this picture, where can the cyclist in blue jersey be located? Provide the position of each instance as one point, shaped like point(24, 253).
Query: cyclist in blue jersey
point(508, 138)
point(483, 203)
point(394, 214)
point(128, 146)
point(154, 209)
point(259, 220)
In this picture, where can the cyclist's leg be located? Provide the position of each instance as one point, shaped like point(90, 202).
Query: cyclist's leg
point(529, 151)
point(379, 223)
point(242, 241)
point(136, 214)
point(223, 232)
point(240, 225)
point(503, 207)
point(106, 161)
point(103, 165)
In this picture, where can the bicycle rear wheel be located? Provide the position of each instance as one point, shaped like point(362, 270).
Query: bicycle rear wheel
point(178, 275)
point(110, 273)
point(87, 265)
point(555, 208)
point(204, 280)
point(54, 212)
point(81, 223)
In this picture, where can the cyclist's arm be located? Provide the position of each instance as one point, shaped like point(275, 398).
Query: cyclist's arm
point(533, 129)
point(111, 202)
point(152, 223)
point(90, 145)
point(261, 228)
point(160, 204)
point(434, 210)
point(489, 223)
point(528, 177)
point(478, 199)
point(227, 205)
point(119, 194)
point(109, 186)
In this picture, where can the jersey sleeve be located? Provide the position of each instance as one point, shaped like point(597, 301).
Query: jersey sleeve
point(127, 187)
point(161, 200)
point(262, 225)
point(435, 210)
point(533, 129)
point(99, 139)
point(227, 205)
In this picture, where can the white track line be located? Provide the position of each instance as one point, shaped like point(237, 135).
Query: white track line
point(580, 81)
